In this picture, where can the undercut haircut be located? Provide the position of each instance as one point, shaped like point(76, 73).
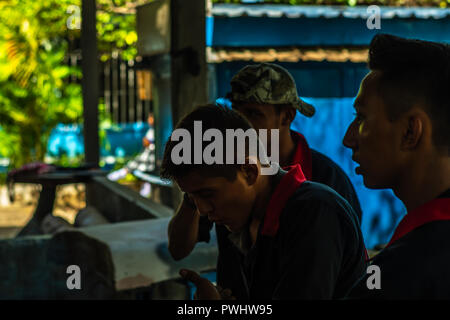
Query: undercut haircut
point(414, 72)
point(212, 117)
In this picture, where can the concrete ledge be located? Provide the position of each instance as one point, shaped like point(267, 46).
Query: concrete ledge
point(140, 253)
point(113, 258)
point(35, 267)
point(119, 203)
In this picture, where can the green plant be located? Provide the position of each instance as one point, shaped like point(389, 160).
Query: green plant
point(35, 91)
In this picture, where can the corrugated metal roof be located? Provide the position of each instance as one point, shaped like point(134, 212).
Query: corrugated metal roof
point(279, 11)
point(287, 55)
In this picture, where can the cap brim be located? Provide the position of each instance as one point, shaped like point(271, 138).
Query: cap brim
point(306, 108)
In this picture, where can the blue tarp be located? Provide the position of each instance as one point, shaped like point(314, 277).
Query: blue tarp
point(246, 26)
point(121, 140)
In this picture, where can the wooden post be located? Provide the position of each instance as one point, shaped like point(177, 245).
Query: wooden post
point(188, 61)
point(90, 81)
point(179, 73)
point(188, 56)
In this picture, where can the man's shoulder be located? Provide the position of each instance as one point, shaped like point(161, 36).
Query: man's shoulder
point(324, 167)
point(413, 267)
point(311, 191)
point(312, 199)
point(328, 172)
point(425, 245)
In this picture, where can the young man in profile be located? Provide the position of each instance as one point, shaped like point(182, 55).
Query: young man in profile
point(288, 238)
point(266, 94)
point(401, 140)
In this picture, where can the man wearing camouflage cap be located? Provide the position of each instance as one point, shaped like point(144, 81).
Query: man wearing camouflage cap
point(266, 94)
point(267, 84)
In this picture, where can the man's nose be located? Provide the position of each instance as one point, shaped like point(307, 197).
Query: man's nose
point(203, 207)
point(350, 140)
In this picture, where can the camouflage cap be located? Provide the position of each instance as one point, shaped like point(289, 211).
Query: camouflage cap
point(267, 83)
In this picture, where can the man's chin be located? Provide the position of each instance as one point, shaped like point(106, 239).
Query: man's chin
point(372, 184)
point(368, 182)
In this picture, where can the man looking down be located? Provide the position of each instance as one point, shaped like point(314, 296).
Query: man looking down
point(288, 238)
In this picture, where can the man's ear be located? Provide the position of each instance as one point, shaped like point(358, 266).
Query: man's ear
point(287, 115)
point(413, 131)
point(250, 170)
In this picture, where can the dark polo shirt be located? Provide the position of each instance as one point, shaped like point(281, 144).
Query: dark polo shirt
point(309, 246)
point(319, 168)
point(416, 262)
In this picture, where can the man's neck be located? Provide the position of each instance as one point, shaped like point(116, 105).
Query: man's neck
point(422, 184)
point(268, 184)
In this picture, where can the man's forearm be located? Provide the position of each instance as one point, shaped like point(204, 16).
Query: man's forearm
point(183, 231)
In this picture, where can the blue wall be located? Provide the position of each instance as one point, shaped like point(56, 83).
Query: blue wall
point(121, 140)
point(245, 32)
point(314, 79)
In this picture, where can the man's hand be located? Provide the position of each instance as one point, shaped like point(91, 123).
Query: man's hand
point(225, 293)
point(205, 289)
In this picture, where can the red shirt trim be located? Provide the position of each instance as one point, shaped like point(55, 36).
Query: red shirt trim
point(302, 155)
point(290, 182)
point(435, 210)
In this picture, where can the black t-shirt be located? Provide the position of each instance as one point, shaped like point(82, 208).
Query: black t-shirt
point(326, 171)
point(417, 264)
point(319, 168)
point(316, 252)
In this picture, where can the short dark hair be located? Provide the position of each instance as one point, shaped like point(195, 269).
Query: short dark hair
point(212, 117)
point(414, 71)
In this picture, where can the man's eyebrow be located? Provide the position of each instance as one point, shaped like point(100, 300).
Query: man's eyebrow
point(251, 108)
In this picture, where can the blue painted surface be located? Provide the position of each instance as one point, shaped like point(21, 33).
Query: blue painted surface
point(313, 79)
point(209, 31)
point(126, 139)
point(66, 139)
point(123, 140)
point(286, 32)
point(3, 169)
point(325, 11)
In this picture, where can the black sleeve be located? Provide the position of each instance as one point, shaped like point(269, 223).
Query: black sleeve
point(313, 250)
point(361, 291)
point(204, 228)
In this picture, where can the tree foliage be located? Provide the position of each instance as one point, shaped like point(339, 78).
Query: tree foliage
point(35, 91)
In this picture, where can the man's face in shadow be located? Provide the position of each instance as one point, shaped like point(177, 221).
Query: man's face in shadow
point(374, 139)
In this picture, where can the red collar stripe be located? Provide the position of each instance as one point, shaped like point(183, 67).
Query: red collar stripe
point(302, 155)
point(290, 182)
point(435, 210)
